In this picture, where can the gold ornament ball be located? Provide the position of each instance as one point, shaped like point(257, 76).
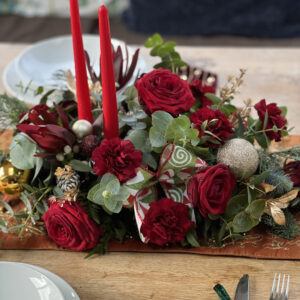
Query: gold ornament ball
point(82, 128)
point(240, 156)
point(12, 179)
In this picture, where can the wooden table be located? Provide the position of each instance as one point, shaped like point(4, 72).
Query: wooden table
point(272, 74)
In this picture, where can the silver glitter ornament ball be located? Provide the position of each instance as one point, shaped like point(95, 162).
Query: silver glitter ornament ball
point(240, 156)
point(82, 128)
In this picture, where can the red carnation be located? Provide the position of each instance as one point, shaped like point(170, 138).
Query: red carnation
point(117, 157)
point(210, 189)
point(70, 226)
point(217, 124)
point(274, 118)
point(163, 90)
point(166, 222)
point(293, 170)
point(39, 115)
point(199, 89)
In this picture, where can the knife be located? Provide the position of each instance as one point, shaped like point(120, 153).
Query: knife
point(242, 289)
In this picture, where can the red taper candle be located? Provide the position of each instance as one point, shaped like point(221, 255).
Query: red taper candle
point(82, 88)
point(109, 97)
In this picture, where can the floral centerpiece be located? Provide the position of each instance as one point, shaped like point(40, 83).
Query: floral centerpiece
point(184, 165)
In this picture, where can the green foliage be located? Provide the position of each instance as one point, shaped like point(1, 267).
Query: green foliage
point(291, 153)
point(268, 162)
point(280, 180)
point(250, 217)
point(10, 109)
point(136, 118)
point(93, 210)
point(215, 99)
point(160, 123)
point(259, 178)
point(192, 238)
point(235, 205)
point(115, 227)
point(170, 59)
point(288, 231)
point(80, 166)
point(180, 132)
point(262, 140)
point(140, 140)
point(23, 151)
point(109, 194)
point(34, 199)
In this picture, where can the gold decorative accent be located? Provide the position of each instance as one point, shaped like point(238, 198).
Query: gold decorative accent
point(274, 206)
point(12, 179)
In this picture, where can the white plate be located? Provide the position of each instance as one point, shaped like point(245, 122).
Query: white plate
point(18, 281)
point(42, 60)
point(67, 291)
point(38, 63)
point(12, 81)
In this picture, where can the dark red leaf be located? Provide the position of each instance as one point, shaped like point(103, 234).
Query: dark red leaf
point(63, 116)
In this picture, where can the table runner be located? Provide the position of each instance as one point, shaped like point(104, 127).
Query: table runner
point(256, 244)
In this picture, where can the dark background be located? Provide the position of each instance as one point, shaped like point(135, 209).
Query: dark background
point(188, 22)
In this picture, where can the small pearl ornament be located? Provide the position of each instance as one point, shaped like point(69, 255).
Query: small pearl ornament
point(82, 128)
point(240, 156)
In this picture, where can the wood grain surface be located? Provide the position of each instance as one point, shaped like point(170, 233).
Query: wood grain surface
point(139, 276)
point(272, 74)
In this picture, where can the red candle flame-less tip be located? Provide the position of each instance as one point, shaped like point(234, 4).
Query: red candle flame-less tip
point(82, 89)
point(109, 97)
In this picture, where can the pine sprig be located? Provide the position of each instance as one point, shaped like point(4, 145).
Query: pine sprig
point(280, 180)
point(291, 153)
point(10, 109)
point(288, 231)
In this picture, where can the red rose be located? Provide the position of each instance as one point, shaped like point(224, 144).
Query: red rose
point(163, 90)
point(199, 90)
point(166, 222)
point(51, 138)
point(217, 124)
point(39, 115)
point(117, 157)
point(293, 170)
point(210, 189)
point(70, 226)
point(274, 118)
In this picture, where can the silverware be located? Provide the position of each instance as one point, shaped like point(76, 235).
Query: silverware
point(283, 294)
point(242, 289)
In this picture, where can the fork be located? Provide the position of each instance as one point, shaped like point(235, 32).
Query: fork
point(284, 293)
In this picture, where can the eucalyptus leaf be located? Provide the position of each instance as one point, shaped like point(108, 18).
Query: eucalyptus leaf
point(150, 160)
point(161, 120)
point(108, 177)
point(113, 206)
point(22, 152)
point(157, 137)
point(113, 186)
point(38, 167)
point(140, 140)
point(80, 166)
